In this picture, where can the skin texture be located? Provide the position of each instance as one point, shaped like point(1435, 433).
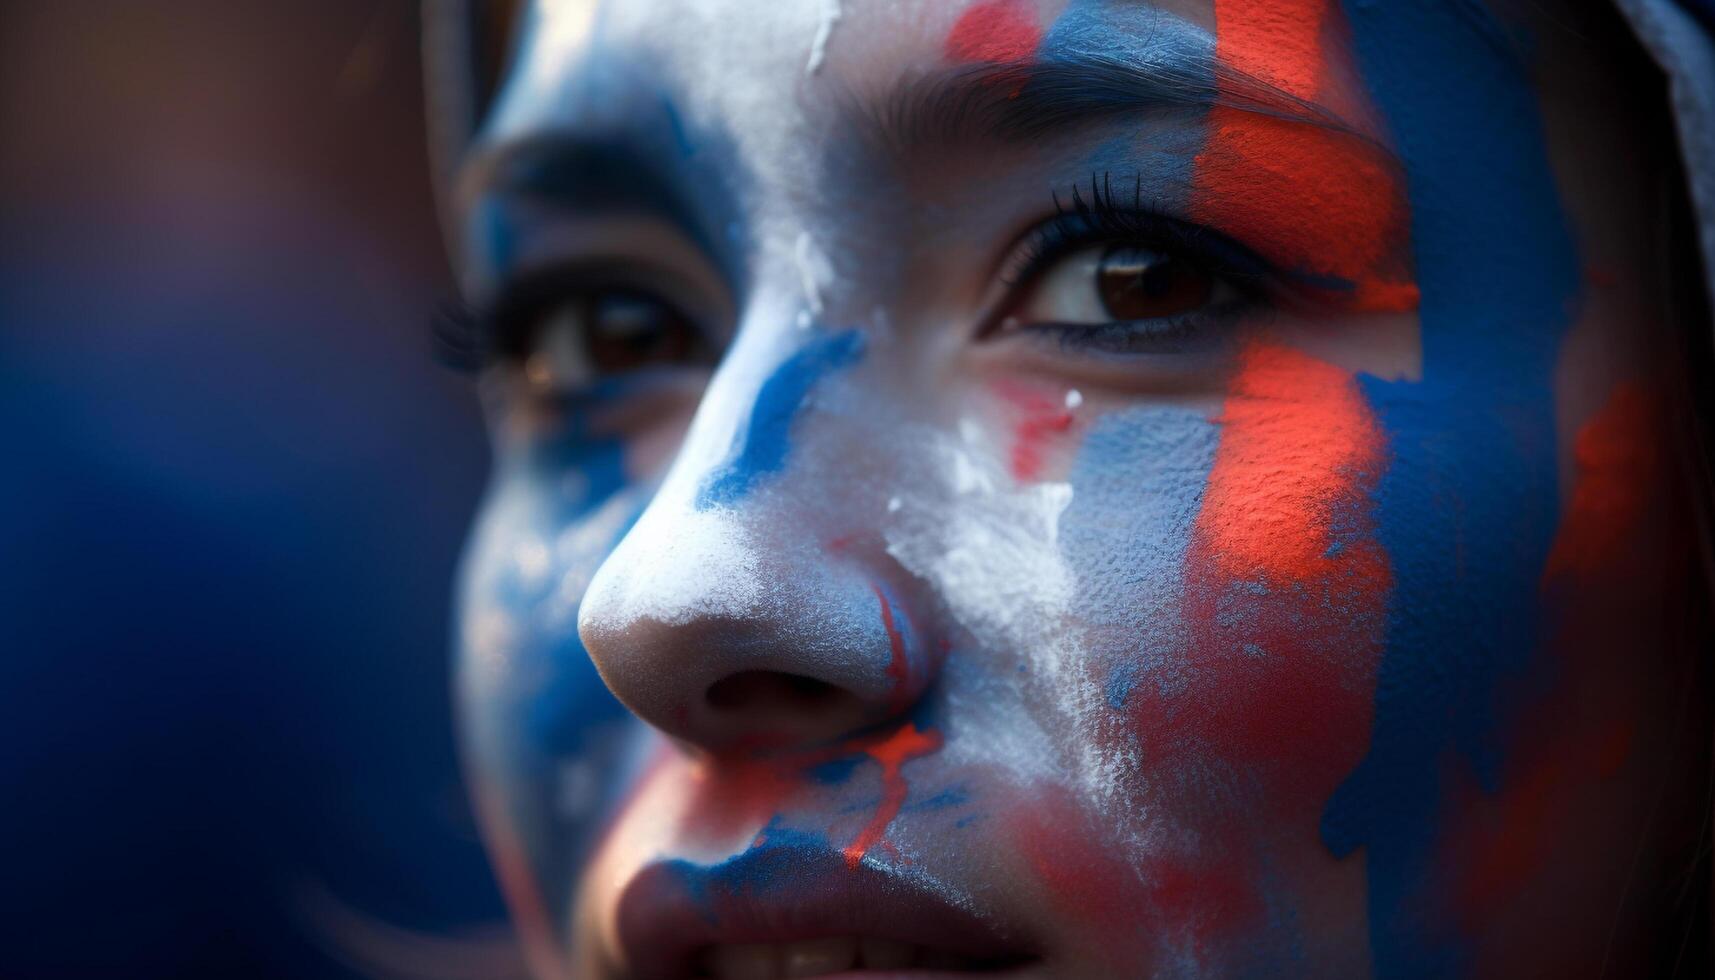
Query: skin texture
point(1342, 638)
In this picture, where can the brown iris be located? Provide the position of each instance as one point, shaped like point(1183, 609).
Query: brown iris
point(626, 331)
point(1137, 283)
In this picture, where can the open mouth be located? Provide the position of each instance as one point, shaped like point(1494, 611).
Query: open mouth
point(796, 910)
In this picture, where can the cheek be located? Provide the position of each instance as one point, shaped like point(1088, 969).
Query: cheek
point(1595, 733)
point(1286, 584)
point(1040, 425)
point(1231, 605)
point(1192, 904)
point(535, 715)
point(1231, 586)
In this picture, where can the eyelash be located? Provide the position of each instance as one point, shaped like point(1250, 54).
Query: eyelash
point(459, 338)
point(1101, 218)
point(466, 336)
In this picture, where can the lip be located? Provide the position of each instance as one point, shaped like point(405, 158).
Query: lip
point(781, 892)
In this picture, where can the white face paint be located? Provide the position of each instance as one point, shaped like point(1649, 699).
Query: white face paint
point(956, 471)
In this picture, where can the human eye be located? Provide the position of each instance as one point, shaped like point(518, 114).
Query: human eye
point(572, 336)
point(1114, 279)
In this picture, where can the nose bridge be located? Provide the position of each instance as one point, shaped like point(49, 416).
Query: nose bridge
point(732, 613)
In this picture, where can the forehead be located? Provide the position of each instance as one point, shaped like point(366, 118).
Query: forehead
point(751, 123)
point(784, 64)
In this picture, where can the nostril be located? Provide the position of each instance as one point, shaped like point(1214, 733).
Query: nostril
point(773, 697)
point(753, 690)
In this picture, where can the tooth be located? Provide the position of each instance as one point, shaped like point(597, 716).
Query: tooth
point(885, 954)
point(752, 961)
point(817, 957)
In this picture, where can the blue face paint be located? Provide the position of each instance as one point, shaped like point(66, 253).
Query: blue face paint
point(778, 864)
point(600, 130)
point(764, 441)
point(1466, 511)
point(548, 716)
point(1130, 33)
point(1121, 679)
point(1164, 156)
point(1140, 476)
point(835, 771)
point(574, 703)
point(946, 799)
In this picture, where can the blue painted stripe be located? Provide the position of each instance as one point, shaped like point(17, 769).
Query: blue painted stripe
point(1468, 506)
point(765, 440)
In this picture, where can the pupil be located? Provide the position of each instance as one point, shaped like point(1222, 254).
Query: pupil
point(627, 319)
point(1143, 284)
point(628, 331)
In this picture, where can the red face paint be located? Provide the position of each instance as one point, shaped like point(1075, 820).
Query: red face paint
point(1578, 734)
point(994, 31)
point(1580, 757)
point(1261, 705)
point(1286, 585)
point(734, 794)
point(1277, 41)
point(1194, 899)
point(891, 753)
point(1299, 447)
point(1272, 688)
point(1320, 202)
point(1618, 464)
point(1515, 835)
point(898, 668)
point(1040, 419)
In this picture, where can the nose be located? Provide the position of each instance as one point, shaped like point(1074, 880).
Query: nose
point(733, 623)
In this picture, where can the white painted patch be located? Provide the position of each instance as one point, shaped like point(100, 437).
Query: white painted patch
point(990, 548)
point(579, 551)
point(824, 31)
point(815, 272)
point(677, 567)
point(531, 561)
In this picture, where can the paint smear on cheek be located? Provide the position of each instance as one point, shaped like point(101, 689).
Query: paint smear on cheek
point(1286, 586)
point(1192, 902)
point(1585, 728)
point(1318, 202)
point(1618, 463)
point(995, 31)
point(1298, 445)
point(1588, 739)
point(1257, 602)
point(1501, 844)
point(1467, 507)
point(1041, 420)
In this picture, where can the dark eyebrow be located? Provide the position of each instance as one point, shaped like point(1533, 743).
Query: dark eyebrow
point(573, 169)
point(1012, 104)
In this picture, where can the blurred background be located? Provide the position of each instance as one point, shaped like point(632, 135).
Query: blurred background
point(232, 493)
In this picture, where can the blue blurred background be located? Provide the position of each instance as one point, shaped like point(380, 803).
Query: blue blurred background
point(232, 493)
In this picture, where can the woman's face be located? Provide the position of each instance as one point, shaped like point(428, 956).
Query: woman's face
point(1091, 488)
